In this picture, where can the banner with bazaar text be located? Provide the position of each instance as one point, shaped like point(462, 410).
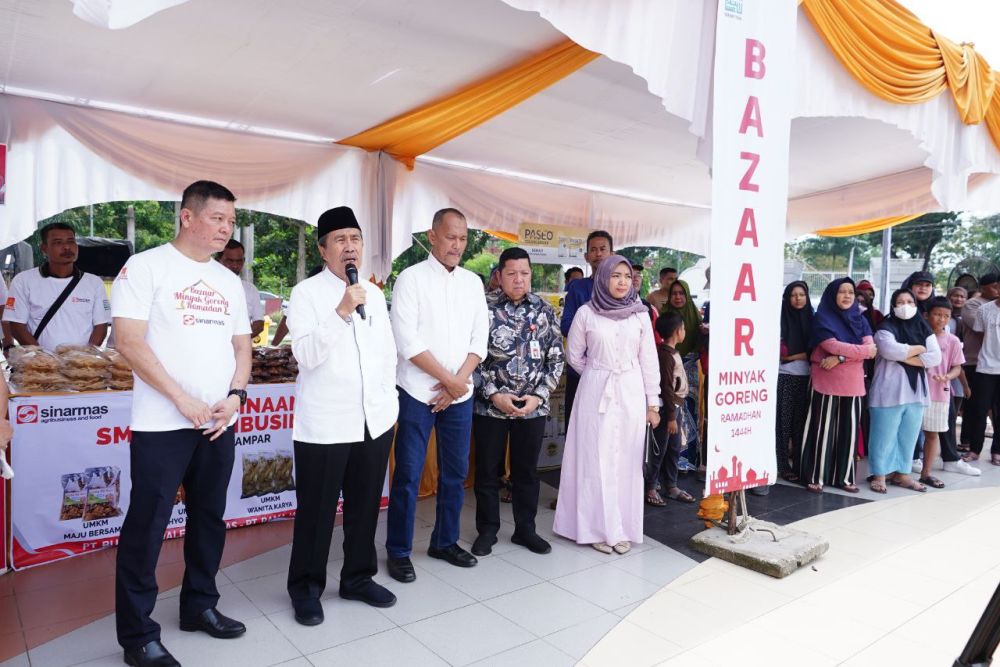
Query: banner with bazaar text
point(754, 78)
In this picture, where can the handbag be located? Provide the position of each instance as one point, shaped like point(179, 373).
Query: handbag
point(652, 445)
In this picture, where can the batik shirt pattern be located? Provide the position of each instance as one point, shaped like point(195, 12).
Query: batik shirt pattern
point(510, 367)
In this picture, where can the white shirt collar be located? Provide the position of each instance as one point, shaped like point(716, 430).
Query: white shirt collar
point(438, 267)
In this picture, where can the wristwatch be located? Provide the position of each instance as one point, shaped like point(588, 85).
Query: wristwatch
point(240, 393)
point(841, 358)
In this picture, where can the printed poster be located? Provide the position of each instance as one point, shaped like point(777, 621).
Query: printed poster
point(753, 89)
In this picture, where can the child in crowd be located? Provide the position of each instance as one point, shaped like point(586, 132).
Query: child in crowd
point(663, 460)
point(935, 423)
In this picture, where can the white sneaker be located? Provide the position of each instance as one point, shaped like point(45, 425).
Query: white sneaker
point(918, 466)
point(962, 468)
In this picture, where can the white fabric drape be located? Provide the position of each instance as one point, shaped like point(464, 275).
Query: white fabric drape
point(501, 202)
point(118, 14)
point(954, 150)
point(60, 157)
point(669, 43)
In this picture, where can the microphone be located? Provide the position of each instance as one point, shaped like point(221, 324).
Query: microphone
point(352, 279)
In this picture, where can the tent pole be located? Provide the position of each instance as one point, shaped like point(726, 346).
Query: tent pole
point(130, 224)
point(300, 267)
point(884, 282)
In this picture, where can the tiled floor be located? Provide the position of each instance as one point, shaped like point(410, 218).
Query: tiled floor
point(904, 582)
point(653, 605)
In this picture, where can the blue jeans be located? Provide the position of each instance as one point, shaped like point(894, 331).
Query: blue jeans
point(453, 427)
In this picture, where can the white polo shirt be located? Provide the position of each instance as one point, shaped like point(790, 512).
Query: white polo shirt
point(347, 370)
point(254, 307)
point(193, 310)
point(31, 294)
point(440, 311)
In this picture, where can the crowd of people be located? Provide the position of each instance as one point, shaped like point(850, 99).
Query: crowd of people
point(474, 363)
point(854, 382)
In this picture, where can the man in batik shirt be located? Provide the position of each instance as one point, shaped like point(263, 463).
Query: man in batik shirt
point(523, 363)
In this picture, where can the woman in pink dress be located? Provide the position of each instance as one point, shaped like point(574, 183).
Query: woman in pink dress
point(611, 345)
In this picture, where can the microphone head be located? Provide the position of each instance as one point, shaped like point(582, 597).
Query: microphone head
point(352, 273)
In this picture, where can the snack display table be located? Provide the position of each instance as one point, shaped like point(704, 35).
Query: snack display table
point(70, 454)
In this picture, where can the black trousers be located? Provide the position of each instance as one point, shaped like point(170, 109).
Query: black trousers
point(160, 462)
point(968, 409)
point(662, 464)
point(491, 444)
point(572, 382)
point(949, 446)
point(985, 389)
point(321, 472)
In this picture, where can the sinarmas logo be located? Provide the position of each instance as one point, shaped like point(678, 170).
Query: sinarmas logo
point(27, 414)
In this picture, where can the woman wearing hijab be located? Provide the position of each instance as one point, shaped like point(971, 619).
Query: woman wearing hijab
point(679, 302)
point(906, 346)
point(793, 376)
point(611, 345)
point(921, 285)
point(841, 341)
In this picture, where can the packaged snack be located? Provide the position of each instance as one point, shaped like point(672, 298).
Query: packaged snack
point(33, 359)
point(268, 465)
point(251, 473)
point(74, 487)
point(283, 477)
point(103, 489)
point(87, 349)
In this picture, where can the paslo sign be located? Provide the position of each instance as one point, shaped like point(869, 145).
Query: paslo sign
point(552, 244)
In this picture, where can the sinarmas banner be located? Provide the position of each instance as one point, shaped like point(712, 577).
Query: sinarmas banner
point(71, 456)
point(753, 92)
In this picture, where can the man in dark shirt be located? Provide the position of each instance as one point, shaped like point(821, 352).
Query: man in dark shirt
point(523, 364)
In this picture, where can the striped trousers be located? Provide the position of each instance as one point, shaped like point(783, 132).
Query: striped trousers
point(831, 440)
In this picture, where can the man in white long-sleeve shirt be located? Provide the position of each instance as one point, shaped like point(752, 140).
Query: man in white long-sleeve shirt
point(345, 408)
point(440, 321)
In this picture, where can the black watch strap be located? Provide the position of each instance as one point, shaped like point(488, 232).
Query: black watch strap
point(241, 393)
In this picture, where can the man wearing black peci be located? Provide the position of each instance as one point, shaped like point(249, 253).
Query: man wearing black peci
point(345, 408)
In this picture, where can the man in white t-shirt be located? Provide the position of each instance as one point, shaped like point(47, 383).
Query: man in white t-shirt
point(233, 258)
point(181, 321)
point(83, 316)
point(440, 323)
point(6, 340)
point(987, 386)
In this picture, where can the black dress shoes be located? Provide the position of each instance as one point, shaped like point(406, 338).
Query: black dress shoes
point(401, 569)
point(483, 546)
point(153, 654)
point(532, 542)
point(308, 612)
point(215, 624)
point(454, 554)
point(370, 593)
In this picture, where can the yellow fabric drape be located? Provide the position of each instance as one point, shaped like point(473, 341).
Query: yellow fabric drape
point(427, 127)
point(505, 236)
point(866, 226)
point(899, 59)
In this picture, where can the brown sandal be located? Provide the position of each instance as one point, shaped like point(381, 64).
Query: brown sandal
point(655, 499)
point(680, 495)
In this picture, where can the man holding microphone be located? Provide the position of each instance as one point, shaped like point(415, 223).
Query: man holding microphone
point(345, 408)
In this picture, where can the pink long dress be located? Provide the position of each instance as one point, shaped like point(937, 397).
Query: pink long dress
point(601, 486)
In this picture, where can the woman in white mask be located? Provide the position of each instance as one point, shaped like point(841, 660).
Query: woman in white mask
point(899, 392)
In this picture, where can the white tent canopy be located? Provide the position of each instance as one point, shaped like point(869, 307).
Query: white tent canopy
point(252, 93)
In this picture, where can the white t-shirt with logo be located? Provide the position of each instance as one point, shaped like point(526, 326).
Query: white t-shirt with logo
point(193, 309)
point(987, 321)
point(254, 306)
point(31, 294)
